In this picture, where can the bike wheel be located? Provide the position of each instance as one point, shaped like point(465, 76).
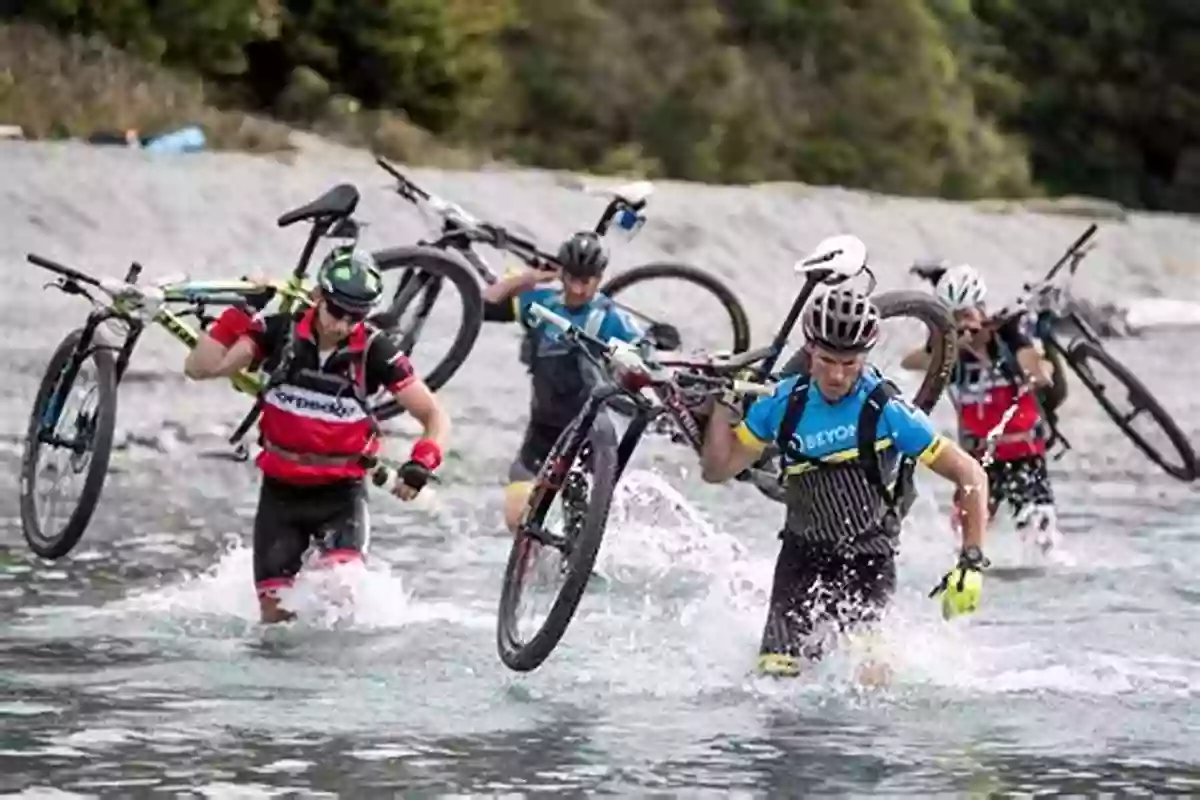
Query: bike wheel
point(586, 448)
point(97, 430)
point(739, 324)
point(425, 271)
point(900, 304)
point(1084, 356)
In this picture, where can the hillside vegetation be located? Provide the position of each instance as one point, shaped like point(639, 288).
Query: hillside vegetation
point(931, 97)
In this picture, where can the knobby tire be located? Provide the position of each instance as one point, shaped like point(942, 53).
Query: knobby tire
point(57, 546)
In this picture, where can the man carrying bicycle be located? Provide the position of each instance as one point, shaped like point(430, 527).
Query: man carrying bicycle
point(316, 428)
point(997, 369)
point(842, 429)
point(561, 378)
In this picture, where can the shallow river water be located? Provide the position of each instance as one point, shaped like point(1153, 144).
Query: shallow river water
point(136, 666)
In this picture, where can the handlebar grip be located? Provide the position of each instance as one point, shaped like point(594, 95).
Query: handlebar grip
point(546, 315)
point(65, 271)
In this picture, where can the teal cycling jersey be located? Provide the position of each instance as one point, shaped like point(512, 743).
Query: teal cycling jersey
point(829, 431)
point(562, 378)
point(598, 317)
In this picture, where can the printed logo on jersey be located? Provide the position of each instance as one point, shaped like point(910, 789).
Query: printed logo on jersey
point(838, 436)
point(314, 405)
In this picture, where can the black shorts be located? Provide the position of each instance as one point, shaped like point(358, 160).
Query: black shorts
point(818, 592)
point(291, 518)
point(1021, 482)
point(538, 442)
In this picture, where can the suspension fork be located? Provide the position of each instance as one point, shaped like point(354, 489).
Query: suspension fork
point(66, 378)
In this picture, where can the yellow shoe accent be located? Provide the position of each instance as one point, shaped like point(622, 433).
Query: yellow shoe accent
point(778, 665)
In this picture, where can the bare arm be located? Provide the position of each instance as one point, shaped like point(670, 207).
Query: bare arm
point(1039, 370)
point(204, 359)
point(231, 362)
point(423, 405)
point(956, 465)
point(511, 285)
point(724, 454)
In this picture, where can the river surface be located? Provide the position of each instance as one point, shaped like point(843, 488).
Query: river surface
point(136, 666)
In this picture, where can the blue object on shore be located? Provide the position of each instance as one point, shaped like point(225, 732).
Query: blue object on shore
point(185, 140)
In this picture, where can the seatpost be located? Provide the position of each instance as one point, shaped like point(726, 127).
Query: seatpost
point(781, 336)
point(314, 233)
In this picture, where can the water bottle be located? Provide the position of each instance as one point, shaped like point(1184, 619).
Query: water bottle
point(185, 140)
point(625, 224)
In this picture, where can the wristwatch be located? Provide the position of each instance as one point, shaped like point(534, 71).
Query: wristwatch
point(973, 558)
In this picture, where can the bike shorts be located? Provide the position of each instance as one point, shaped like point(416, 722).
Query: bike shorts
point(819, 592)
point(535, 447)
point(292, 518)
point(1021, 482)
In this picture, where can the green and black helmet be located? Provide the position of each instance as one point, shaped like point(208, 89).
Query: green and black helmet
point(350, 280)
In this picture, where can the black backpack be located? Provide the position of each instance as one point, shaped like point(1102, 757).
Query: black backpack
point(899, 499)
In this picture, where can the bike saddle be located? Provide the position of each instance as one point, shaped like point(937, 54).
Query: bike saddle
point(931, 271)
point(340, 201)
point(634, 193)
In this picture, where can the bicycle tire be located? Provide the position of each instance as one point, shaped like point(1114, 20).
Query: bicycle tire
point(55, 547)
point(522, 656)
point(684, 272)
point(1079, 353)
point(444, 265)
point(898, 303)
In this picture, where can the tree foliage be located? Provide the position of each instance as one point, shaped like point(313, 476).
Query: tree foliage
point(958, 98)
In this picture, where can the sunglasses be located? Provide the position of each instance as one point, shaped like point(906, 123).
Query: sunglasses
point(337, 312)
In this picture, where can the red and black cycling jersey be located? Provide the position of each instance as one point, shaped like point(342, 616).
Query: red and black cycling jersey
point(983, 391)
point(315, 424)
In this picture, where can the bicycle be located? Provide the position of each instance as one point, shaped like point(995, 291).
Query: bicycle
point(1048, 303)
point(589, 453)
point(460, 231)
point(111, 332)
point(1050, 396)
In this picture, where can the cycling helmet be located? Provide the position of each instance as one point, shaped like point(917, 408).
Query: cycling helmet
point(842, 319)
point(961, 287)
point(845, 256)
point(583, 255)
point(350, 280)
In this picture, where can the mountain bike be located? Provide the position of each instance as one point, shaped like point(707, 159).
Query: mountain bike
point(459, 231)
point(1050, 396)
point(122, 309)
point(1048, 302)
point(585, 463)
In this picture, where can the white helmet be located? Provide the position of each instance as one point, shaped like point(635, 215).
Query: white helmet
point(842, 319)
point(845, 256)
point(961, 287)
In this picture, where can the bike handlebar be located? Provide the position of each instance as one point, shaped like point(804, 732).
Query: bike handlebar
point(464, 224)
point(65, 271)
point(627, 358)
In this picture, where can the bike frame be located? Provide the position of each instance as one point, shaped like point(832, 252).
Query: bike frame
point(667, 396)
point(196, 295)
point(456, 224)
point(1049, 312)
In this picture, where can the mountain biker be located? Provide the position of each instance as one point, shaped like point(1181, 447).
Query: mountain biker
point(316, 428)
point(842, 429)
point(997, 368)
point(561, 378)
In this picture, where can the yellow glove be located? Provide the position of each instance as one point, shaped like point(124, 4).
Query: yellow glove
point(961, 586)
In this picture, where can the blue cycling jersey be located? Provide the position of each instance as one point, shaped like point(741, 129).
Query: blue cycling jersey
point(599, 317)
point(829, 431)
